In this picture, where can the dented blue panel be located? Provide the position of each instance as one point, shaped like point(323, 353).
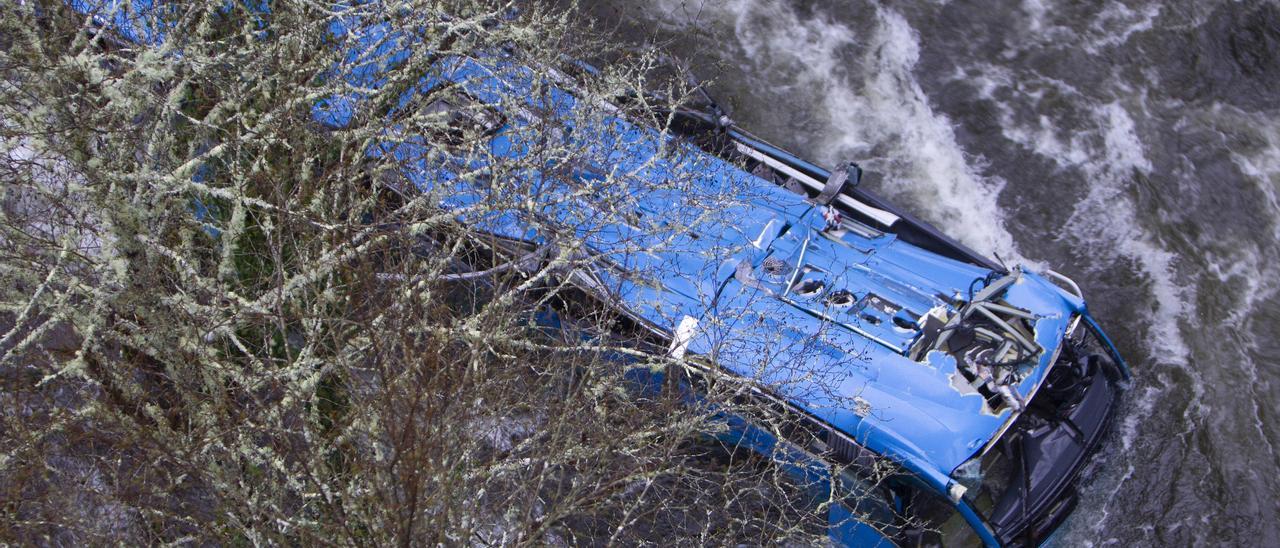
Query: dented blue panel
point(846, 365)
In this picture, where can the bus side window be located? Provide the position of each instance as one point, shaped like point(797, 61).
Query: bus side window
point(931, 520)
point(862, 514)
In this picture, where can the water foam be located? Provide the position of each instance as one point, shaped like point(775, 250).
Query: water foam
point(1255, 270)
point(939, 174)
point(1106, 219)
point(1048, 25)
point(1117, 22)
point(1110, 217)
point(878, 108)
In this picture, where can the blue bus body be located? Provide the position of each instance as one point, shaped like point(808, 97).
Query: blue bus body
point(869, 322)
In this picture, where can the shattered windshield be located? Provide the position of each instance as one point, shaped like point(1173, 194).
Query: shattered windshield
point(987, 479)
point(937, 521)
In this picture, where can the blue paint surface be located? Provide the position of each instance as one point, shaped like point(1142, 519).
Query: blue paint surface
point(804, 349)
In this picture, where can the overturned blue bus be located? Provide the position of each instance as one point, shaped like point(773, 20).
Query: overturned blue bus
point(986, 387)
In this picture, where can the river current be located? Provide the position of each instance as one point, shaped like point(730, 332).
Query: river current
point(1132, 145)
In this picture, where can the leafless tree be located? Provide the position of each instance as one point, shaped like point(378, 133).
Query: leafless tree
point(243, 303)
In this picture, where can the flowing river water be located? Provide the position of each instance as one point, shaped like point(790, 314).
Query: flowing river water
point(1133, 145)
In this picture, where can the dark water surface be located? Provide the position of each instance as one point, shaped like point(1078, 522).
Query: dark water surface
point(1134, 146)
